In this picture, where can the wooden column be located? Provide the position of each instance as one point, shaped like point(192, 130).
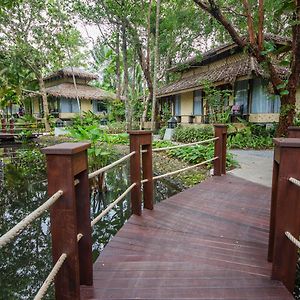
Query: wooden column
point(220, 149)
point(70, 215)
point(285, 209)
point(140, 139)
point(3, 125)
point(294, 132)
point(11, 125)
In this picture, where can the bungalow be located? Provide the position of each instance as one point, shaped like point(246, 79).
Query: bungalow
point(226, 67)
point(63, 94)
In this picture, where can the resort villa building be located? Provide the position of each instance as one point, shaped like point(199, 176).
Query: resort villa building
point(66, 98)
point(225, 67)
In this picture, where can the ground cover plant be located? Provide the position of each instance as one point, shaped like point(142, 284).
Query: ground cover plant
point(250, 136)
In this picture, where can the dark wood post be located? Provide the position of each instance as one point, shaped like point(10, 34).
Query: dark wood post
point(3, 125)
point(285, 209)
point(11, 125)
point(220, 149)
point(70, 215)
point(294, 132)
point(137, 139)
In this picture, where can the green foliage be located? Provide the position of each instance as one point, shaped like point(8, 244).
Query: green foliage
point(297, 119)
point(116, 111)
point(217, 100)
point(166, 112)
point(200, 153)
point(87, 118)
point(162, 144)
point(252, 137)
point(191, 134)
point(116, 127)
point(100, 152)
point(120, 139)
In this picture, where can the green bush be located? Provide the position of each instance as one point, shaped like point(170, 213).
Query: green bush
point(252, 137)
point(200, 153)
point(116, 127)
point(192, 134)
point(162, 144)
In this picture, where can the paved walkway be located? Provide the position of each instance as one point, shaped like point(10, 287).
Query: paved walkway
point(255, 165)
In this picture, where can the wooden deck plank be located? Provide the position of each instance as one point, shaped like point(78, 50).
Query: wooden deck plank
point(208, 242)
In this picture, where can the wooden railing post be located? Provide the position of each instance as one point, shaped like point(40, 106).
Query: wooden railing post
point(3, 125)
point(220, 149)
point(140, 139)
point(285, 208)
point(294, 132)
point(70, 215)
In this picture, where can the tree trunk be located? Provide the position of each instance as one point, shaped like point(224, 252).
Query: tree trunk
point(287, 101)
point(118, 68)
point(45, 102)
point(156, 54)
point(125, 78)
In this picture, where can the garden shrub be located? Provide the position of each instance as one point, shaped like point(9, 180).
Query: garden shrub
point(190, 134)
point(200, 153)
point(252, 137)
point(116, 127)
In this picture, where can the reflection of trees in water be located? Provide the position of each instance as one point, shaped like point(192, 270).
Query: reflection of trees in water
point(26, 261)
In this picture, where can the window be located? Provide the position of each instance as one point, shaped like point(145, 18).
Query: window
point(69, 105)
point(177, 105)
point(262, 101)
point(197, 105)
point(99, 106)
point(241, 95)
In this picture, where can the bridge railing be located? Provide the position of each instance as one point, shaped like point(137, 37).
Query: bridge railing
point(71, 224)
point(285, 208)
point(12, 127)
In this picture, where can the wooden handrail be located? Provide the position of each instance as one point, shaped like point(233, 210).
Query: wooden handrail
point(285, 207)
point(70, 217)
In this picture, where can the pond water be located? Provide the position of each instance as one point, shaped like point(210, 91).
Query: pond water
point(26, 261)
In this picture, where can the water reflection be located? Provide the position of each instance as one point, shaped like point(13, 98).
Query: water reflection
point(26, 261)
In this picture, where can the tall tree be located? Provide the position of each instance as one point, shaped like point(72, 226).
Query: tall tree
point(155, 66)
point(33, 32)
point(264, 52)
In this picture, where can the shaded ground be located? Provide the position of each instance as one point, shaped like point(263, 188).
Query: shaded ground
point(255, 165)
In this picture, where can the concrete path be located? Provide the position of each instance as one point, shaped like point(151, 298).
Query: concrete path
point(255, 165)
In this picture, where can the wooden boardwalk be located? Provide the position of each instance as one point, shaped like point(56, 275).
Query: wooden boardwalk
point(208, 242)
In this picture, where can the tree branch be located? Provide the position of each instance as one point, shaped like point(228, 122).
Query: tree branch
point(260, 36)
point(250, 23)
point(215, 12)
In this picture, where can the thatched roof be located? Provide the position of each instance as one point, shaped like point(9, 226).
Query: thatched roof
point(228, 48)
point(68, 72)
point(67, 90)
point(227, 73)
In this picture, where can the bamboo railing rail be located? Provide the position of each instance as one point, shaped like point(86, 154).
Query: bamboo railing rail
point(180, 170)
point(50, 278)
point(16, 230)
point(110, 166)
point(185, 145)
point(292, 239)
point(294, 181)
point(112, 205)
point(71, 219)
